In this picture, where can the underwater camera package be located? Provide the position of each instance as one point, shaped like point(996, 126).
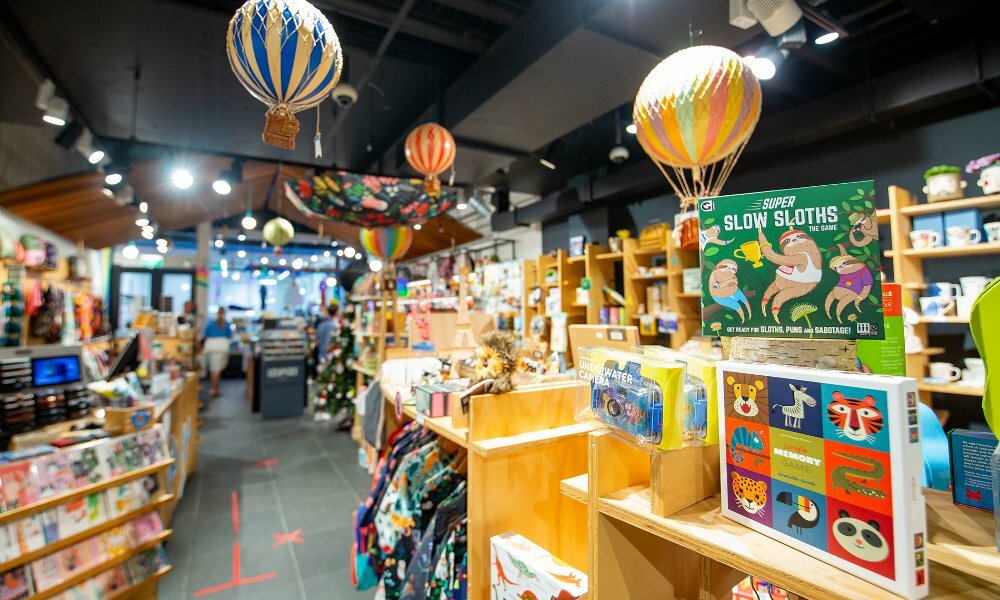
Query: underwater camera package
point(700, 424)
point(828, 463)
point(639, 397)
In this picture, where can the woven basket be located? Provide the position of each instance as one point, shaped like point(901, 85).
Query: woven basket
point(281, 128)
point(432, 185)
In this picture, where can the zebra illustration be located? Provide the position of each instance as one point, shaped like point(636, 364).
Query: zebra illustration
point(795, 412)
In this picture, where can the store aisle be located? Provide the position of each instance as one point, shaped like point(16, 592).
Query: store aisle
point(289, 476)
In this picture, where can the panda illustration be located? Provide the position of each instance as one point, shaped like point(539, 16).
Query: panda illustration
point(860, 539)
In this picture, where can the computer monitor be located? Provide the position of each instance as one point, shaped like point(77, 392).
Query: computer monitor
point(128, 360)
point(55, 370)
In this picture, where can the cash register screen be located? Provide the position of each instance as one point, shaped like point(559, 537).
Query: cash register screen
point(55, 370)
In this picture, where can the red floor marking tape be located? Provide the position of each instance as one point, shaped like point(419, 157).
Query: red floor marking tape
point(286, 538)
point(236, 581)
point(268, 462)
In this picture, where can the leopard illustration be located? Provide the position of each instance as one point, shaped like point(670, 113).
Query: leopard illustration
point(751, 494)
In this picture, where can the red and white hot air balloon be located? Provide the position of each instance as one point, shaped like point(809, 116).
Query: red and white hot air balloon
point(430, 150)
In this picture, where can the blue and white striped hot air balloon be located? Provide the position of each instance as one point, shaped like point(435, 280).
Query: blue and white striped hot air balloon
point(287, 55)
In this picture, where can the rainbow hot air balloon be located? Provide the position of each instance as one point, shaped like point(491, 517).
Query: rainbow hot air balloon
point(695, 113)
point(387, 243)
point(430, 150)
point(287, 55)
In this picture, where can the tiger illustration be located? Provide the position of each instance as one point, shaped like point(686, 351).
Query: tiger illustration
point(857, 420)
point(751, 494)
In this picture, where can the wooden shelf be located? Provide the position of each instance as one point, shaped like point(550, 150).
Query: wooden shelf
point(371, 335)
point(19, 513)
point(650, 277)
point(125, 593)
point(575, 487)
point(611, 256)
point(439, 425)
point(580, 305)
point(931, 352)
point(958, 320)
point(576, 259)
point(950, 388)
point(915, 285)
point(97, 570)
point(882, 215)
point(84, 535)
point(690, 295)
point(517, 443)
point(948, 205)
point(650, 251)
point(949, 251)
point(961, 538)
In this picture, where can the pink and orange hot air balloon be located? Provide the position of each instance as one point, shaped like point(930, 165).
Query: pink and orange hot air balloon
point(695, 113)
point(430, 150)
point(387, 243)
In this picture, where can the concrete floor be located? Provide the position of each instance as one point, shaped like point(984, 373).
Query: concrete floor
point(288, 475)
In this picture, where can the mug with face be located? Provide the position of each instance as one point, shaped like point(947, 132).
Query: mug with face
point(961, 235)
point(936, 306)
point(925, 238)
point(973, 285)
point(944, 289)
point(992, 231)
point(945, 371)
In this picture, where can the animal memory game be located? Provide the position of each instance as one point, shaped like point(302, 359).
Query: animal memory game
point(828, 463)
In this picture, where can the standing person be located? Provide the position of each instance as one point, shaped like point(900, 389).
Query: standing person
point(324, 331)
point(216, 348)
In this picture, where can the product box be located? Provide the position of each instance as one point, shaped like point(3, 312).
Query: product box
point(434, 400)
point(577, 245)
point(887, 356)
point(829, 463)
point(701, 412)
point(641, 398)
point(88, 467)
point(968, 217)
point(16, 584)
point(795, 263)
point(520, 568)
point(972, 479)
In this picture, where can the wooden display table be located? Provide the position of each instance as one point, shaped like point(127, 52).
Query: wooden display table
point(698, 553)
point(179, 417)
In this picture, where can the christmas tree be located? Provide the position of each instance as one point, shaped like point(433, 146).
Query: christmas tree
point(334, 390)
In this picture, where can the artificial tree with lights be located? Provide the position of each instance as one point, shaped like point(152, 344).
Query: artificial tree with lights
point(335, 385)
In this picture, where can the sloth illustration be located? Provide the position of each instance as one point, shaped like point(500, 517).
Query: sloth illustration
point(855, 283)
point(799, 268)
point(723, 286)
point(711, 236)
point(862, 224)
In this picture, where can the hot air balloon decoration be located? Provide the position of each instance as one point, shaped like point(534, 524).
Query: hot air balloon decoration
point(430, 150)
point(287, 55)
point(387, 243)
point(278, 232)
point(695, 113)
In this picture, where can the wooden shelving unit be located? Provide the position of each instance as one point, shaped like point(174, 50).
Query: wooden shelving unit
point(603, 268)
point(698, 553)
point(569, 271)
point(908, 269)
point(141, 591)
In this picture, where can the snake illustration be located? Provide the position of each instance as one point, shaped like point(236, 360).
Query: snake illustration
point(840, 476)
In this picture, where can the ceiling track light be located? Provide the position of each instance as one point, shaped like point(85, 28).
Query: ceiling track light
point(826, 38)
point(182, 179)
point(548, 159)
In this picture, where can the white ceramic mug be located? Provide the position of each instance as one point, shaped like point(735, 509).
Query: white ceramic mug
point(936, 306)
point(945, 289)
point(970, 377)
point(961, 235)
point(975, 365)
point(992, 231)
point(964, 305)
point(945, 371)
point(973, 285)
point(925, 238)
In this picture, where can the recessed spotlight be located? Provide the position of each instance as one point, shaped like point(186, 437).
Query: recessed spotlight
point(236, 275)
point(314, 258)
point(763, 68)
point(109, 193)
point(242, 254)
point(297, 263)
point(631, 128)
point(182, 179)
point(340, 252)
point(95, 157)
point(113, 178)
point(263, 260)
point(131, 251)
point(417, 226)
point(331, 281)
point(219, 243)
point(161, 242)
point(143, 207)
point(248, 221)
point(826, 38)
point(241, 237)
point(282, 262)
point(147, 234)
point(162, 249)
point(548, 164)
point(142, 222)
point(463, 205)
point(358, 256)
point(221, 187)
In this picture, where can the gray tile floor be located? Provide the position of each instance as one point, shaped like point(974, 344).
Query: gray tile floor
point(314, 486)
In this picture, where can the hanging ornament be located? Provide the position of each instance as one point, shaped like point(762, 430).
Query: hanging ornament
point(278, 232)
point(695, 113)
point(387, 243)
point(287, 55)
point(430, 150)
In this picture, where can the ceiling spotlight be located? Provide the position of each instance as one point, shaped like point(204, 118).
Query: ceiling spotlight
point(263, 260)
point(95, 157)
point(547, 163)
point(358, 256)
point(108, 192)
point(142, 222)
point(57, 112)
point(417, 226)
point(236, 276)
point(333, 244)
point(297, 263)
point(131, 251)
point(113, 178)
point(282, 262)
point(349, 252)
point(161, 241)
point(314, 258)
point(162, 249)
point(241, 254)
point(340, 252)
point(147, 234)
point(221, 187)
point(763, 68)
point(143, 207)
point(375, 265)
point(326, 254)
point(548, 159)
point(826, 38)
point(182, 179)
point(631, 128)
point(219, 243)
point(248, 221)
point(241, 237)
point(69, 135)
point(331, 281)
point(463, 205)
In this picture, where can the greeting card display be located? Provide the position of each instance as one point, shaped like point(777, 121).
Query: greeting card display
point(798, 263)
point(828, 463)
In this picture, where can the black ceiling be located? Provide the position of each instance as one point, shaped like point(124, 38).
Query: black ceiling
point(508, 77)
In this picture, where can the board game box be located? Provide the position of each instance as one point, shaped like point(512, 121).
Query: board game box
point(795, 263)
point(828, 463)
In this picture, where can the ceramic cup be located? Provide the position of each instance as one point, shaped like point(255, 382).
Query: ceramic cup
point(945, 371)
point(945, 289)
point(925, 238)
point(992, 231)
point(960, 235)
point(936, 306)
point(975, 365)
point(970, 377)
point(692, 280)
point(973, 285)
point(964, 306)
